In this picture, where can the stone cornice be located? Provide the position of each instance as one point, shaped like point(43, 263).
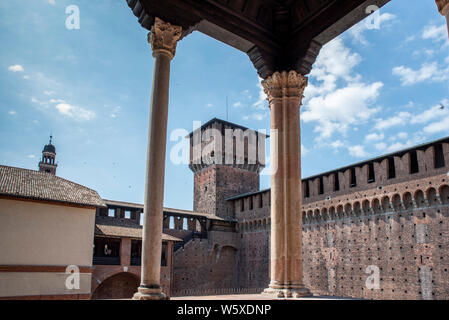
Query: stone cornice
point(443, 6)
point(284, 85)
point(164, 37)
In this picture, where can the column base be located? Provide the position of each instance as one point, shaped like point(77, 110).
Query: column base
point(287, 291)
point(149, 294)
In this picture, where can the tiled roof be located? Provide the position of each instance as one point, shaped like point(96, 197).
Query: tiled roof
point(35, 185)
point(108, 226)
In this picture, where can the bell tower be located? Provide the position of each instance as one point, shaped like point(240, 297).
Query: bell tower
point(48, 162)
point(226, 160)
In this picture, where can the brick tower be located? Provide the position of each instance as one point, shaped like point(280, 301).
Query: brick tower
point(226, 160)
point(48, 164)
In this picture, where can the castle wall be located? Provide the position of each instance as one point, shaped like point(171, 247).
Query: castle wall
point(397, 226)
point(206, 264)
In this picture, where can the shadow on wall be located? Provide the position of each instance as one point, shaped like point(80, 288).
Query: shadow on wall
point(119, 286)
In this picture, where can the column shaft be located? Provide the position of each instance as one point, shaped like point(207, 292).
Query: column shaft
point(284, 92)
point(163, 39)
point(155, 172)
point(286, 193)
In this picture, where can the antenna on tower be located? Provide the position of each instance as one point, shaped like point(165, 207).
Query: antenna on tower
point(227, 109)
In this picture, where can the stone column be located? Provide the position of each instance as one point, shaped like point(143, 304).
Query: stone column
point(163, 39)
point(284, 91)
point(443, 7)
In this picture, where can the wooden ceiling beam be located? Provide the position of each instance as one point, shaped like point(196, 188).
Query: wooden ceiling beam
point(277, 35)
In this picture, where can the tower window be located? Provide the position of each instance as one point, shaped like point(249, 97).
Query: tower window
point(251, 203)
point(336, 182)
point(321, 187)
point(391, 170)
point(111, 213)
point(352, 178)
point(242, 204)
point(414, 168)
point(438, 156)
point(260, 201)
point(371, 176)
point(307, 191)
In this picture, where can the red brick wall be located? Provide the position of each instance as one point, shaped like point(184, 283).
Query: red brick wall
point(206, 264)
point(404, 231)
point(214, 184)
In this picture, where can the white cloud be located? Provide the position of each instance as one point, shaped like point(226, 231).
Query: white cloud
point(430, 114)
point(340, 98)
point(49, 92)
point(335, 61)
point(237, 104)
point(341, 108)
point(358, 30)
point(337, 144)
point(428, 71)
point(115, 111)
point(358, 151)
point(32, 156)
point(410, 38)
point(304, 150)
point(75, 112)
point(16, 68)
point(397, 146)
point(438, 126)
point(374, 137)
point(52, 2)
point(209, 105)
point(402, 135)
point(261, 102)
point(435, 33)
point(381, 146)
point(12, 112)
point(400, 119)
point(56, 101)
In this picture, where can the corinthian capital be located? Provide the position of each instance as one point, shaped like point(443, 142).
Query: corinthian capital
point(284, 85)
point(443, 6)
point(164, 37)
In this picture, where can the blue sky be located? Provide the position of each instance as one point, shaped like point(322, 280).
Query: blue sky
point(372, 91)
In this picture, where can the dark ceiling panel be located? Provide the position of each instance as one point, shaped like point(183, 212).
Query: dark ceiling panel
point(280, 34)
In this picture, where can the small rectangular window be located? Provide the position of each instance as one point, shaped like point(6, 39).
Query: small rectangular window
point(242, 205)
point(391, 170)
point(307, 191)
point(371, 176)
point(336, 182)
point(352, 178)
point(414, 168)
point(438, 156)
point(261, 201)
point(111, 213)
point(321, 187)
point(127, 214)
point(250, 203)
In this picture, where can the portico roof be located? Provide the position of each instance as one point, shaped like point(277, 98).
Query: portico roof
point(277, 35)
